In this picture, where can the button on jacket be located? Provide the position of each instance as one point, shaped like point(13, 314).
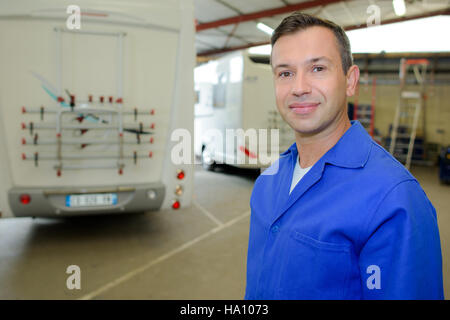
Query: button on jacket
point(357, 226)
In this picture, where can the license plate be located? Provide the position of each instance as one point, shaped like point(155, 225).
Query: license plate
point(90, 200)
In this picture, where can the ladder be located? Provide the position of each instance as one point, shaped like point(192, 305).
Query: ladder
point(407, 113)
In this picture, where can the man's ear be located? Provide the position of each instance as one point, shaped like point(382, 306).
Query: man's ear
point(352, 80)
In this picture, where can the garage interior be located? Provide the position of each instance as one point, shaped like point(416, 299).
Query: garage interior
point(200, 251)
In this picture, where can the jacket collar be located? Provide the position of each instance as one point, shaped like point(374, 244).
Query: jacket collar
point(351, 151)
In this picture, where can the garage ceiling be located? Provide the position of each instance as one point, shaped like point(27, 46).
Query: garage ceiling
point(227, 25)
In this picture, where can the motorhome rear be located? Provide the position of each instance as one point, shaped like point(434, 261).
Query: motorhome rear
point(87, 114)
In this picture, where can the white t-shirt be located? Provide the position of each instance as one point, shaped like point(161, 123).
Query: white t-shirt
point(298, 174)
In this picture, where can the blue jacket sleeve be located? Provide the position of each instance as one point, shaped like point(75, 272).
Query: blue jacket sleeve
point(401, 258)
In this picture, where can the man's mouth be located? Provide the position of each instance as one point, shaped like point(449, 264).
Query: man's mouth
point(303, 107)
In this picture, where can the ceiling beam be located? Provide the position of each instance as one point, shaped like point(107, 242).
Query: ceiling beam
point(220, 51)
point(354, 27)
point(264, 13)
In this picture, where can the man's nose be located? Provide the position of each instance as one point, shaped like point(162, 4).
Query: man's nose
point(300, 85)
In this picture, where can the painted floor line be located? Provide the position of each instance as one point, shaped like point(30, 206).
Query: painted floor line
point(207, 213)
point(166, 256)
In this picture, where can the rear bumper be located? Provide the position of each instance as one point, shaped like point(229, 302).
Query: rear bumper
point(51, 202)
point(249, 166)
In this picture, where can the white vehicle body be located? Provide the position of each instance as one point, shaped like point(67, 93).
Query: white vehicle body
point(235, 92)
point(98, 157)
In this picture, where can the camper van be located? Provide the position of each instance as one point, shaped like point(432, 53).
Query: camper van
point(236, 119)
point(90, 95)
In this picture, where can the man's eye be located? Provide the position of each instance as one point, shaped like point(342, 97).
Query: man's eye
point(284, 74)
point(318, 68)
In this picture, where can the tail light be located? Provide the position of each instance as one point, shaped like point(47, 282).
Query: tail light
point(247, 152)
point(25, 198)
point(176, 204)
point(151, 194)
point(178, 190)
point(180, 174)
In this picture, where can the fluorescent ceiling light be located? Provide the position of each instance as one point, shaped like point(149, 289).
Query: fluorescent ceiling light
point(264, 50)
point(264, 28)
point(419, 35)
point(399, 7)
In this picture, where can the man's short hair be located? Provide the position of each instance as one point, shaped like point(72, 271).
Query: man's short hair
point(300, 21)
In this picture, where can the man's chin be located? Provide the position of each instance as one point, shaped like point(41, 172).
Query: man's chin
point(306, 133)
point(305, 128)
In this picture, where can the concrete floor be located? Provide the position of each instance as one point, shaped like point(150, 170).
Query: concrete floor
point(193, 253)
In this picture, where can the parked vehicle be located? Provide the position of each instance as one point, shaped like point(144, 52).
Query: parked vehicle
point(236, 93)
point(86, 114)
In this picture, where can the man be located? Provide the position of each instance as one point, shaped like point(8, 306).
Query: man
point(339, 217)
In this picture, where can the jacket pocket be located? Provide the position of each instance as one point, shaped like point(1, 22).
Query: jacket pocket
point(314, 269)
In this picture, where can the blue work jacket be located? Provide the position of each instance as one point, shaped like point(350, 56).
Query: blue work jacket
point(357, 226)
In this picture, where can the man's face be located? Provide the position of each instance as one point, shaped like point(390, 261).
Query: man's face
point(310, 85)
